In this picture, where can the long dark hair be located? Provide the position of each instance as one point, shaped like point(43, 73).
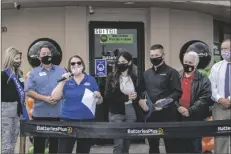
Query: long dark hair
point(117, 73)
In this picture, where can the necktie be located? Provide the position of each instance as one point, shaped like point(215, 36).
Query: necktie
point(227, 83)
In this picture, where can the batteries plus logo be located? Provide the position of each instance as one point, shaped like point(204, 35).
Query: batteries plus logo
point(158, 131)
point(54, 129)
point(224, 129)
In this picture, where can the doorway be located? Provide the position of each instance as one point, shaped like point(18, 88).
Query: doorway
point(106, 40)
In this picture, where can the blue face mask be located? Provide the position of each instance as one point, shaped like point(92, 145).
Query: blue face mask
point(226, 55)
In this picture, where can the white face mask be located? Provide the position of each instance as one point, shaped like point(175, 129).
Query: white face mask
point(77, 71)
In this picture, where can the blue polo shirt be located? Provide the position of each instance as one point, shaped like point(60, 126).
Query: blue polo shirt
point(72, 107)
point(43, 82)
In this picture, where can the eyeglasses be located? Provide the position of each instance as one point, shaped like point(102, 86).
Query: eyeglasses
point(74, 63)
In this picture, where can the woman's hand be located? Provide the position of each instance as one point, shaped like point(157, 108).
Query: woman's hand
point(132, 96)
point(97, 94)
point(99, 97)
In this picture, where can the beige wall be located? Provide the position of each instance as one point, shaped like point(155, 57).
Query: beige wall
point(173, 28)
point(68, 26)
point(26, 25)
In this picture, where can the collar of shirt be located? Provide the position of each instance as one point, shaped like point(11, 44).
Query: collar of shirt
point(191, 77)
point(159, 67)
point(72, 80)
point(226, 62)
point(42, 68)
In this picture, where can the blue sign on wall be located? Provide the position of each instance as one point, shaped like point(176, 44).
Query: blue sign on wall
point(101, 67)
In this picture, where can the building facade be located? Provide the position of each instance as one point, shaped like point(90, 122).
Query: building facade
point(142, 23)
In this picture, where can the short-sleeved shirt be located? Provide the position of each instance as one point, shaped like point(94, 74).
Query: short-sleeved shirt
point(43, 82)
point(72, 107)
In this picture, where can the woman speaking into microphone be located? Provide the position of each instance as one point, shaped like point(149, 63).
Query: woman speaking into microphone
point(74, 90)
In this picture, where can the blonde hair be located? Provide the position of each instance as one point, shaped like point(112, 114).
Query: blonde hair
point(10, 53)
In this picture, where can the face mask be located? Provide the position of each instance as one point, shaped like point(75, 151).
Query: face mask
point(122, 67)
point(46, 60)
point(156, 61)
point(77, 71)
point(226, 55)
point(188, 68)
point(17, 64)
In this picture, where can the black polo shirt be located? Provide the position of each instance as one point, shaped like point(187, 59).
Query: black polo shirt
point(161, 83)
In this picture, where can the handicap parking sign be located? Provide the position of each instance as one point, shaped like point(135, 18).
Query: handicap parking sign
point(101, 67)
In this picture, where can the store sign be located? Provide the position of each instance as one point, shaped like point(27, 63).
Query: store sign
point(101, 67)
point(117, 38)
point(105, 31)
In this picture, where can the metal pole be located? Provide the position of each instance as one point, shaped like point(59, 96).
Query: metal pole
point(229, 145)
point(22, 148)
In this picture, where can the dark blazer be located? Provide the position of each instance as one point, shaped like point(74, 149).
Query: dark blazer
point(116, 99)
point(200, 96)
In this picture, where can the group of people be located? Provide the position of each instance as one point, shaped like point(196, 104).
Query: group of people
point(192, 94)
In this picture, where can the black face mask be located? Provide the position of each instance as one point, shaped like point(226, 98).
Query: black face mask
point(122, 67)
point(17, 64)
point(188, 68)
point(46, 60)
point(156, 61)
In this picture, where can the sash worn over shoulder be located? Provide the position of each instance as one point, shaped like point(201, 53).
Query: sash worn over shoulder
point(20, 93)
point(149, 104)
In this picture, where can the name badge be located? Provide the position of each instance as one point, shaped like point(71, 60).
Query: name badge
point(42, 74)
point(87, 84)
point(162, 74)
point(71, 84)
point(21, 79)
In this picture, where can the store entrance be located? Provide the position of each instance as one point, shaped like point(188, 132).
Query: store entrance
point(106, 40)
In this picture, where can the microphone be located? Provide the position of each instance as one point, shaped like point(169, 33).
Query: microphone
point(64, 78)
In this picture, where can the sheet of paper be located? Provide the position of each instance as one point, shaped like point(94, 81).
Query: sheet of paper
point(89, 100)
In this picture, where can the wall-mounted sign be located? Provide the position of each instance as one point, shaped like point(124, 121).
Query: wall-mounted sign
point(201, 48)
point(4, 29)
point(33, 51)
point(117, 38)
point(105, 31)
point(101, 67)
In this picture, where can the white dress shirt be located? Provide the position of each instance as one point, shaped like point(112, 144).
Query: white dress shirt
point(217, 78)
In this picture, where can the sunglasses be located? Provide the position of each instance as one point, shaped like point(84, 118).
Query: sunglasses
point(74, 63)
